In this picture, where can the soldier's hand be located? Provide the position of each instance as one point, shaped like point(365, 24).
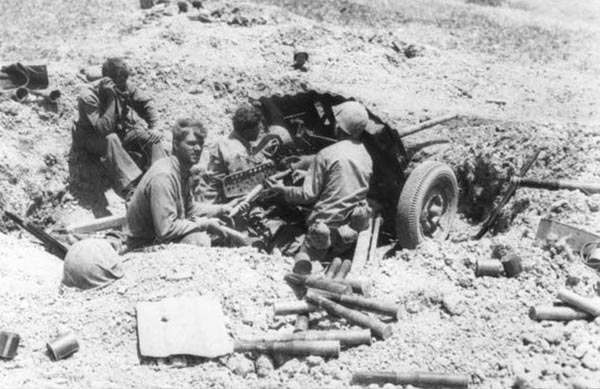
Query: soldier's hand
point(298, 175)
point(212, 225)
point(155, 136)
point(107, 88)
point(274, 185)
point(290, 161)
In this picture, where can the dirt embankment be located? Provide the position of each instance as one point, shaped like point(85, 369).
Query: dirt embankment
point(520, 78)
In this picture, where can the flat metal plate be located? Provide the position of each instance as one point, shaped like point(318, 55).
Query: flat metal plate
point(576, 238)
point(240, 183)
point(182, 326)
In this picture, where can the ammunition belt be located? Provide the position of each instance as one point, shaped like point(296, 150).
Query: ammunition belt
point(240, 183)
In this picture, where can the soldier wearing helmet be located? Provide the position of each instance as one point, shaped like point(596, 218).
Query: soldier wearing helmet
point(336, 184)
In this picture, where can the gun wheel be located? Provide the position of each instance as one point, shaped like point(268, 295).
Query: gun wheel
point(427, 205)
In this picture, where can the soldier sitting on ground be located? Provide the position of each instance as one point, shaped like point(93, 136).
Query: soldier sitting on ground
point(336, 184)
point(107, 126)
point(233, 153)
point(162, 209)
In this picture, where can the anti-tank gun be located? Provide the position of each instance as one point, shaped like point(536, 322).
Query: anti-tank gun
point(281, 147)
point(417, 203)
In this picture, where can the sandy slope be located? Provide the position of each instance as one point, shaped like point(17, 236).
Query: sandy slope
point(537, 58)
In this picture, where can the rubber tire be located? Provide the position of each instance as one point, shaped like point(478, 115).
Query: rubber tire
point(427, 180)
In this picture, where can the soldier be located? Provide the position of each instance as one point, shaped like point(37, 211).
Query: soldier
point(107, 127)
point(161, 209)
point(234, 152)
point(336, 183)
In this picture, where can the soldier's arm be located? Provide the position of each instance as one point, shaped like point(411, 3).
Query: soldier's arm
point(208, 187)
point(202, 209)
point(103, 122)
point(167, 225)
point(310, 190)
point(143, 105)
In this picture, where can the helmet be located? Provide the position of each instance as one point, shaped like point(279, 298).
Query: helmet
point(91, 263)
point(351, 117)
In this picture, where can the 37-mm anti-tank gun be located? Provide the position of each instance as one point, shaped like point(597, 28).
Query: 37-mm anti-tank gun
point(417, 205)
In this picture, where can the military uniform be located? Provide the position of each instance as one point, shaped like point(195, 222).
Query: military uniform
point(162, 207)
point(230, 155)
point(111, 130)
point(337, 182)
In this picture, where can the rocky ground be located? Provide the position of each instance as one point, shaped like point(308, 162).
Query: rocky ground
point(523, 75)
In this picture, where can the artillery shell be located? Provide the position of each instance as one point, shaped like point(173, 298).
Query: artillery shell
point(9, 342)
point(557, 313)
point(293, 307)
point(512, 265)
point(63, 346)
point(591, 306)
point(343, 270)
point(358, 285)
point(333, 267)
point(302, 264)
point(377, 328)
point(347, 338)
point(488, 267)
point(301, 323)
point(323, 348)
point(419, 379)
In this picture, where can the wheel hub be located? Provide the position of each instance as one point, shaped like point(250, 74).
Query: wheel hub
point(433, 212)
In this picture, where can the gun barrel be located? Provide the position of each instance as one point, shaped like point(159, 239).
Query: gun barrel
point(425, 125)
point(419, 379)
point(556, 184)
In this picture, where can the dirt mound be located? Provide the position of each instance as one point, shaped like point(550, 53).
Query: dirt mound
point(522, 77)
